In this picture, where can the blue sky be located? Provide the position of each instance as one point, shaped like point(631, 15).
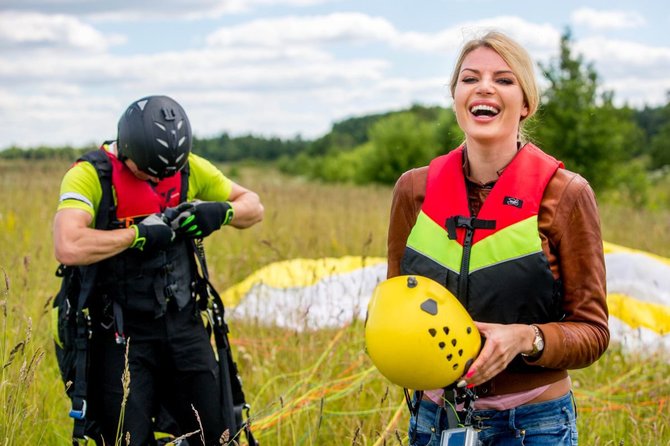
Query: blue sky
point(69, 68)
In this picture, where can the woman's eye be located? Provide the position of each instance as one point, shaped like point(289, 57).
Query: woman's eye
point(505, 81)
point(469, 80)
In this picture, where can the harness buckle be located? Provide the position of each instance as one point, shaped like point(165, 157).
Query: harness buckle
point(78, 414)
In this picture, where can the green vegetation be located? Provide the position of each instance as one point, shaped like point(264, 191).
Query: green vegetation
point(306, 388)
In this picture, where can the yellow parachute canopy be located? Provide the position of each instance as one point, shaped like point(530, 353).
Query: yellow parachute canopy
point(330, 292)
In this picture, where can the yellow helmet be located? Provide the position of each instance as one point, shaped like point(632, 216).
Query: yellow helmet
point(418, 334)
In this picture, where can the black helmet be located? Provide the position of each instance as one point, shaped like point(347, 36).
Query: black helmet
point(155, 134)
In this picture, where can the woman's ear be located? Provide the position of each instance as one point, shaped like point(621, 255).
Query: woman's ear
point(524, 112)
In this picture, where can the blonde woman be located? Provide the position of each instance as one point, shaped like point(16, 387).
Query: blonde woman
point(516, 237)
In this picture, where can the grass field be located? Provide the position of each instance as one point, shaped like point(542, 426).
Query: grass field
point(308, 388)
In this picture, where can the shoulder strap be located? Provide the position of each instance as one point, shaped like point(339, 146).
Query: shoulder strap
point(103, 167)
point(185, 173)
point(88, 274)
point(232, 395)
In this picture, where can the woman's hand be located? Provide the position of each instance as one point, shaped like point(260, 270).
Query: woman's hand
point(503, 343)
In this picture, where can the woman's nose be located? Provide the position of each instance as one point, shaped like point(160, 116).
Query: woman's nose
point(485, 86)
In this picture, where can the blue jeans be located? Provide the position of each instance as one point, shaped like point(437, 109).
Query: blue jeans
point(549, 423)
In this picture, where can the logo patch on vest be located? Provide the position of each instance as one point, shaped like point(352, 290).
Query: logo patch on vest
point(511, 201)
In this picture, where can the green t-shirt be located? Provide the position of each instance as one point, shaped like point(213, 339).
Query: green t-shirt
point(81, 189)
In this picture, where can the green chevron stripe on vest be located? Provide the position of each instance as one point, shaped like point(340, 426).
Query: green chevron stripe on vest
point(429, 239)
point(513, 242)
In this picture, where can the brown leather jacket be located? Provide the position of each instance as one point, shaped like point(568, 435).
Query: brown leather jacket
point(569, 227)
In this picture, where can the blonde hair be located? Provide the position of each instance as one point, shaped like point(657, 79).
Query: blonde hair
point(518, 60)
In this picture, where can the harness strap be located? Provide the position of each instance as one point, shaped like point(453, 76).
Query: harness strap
point(87, 275)
point(466, 397)
point(119, 333)
point(231, 385)
point(450, 399)
point(81, 342)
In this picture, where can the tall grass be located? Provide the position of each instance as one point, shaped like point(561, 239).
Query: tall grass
point(305, 387)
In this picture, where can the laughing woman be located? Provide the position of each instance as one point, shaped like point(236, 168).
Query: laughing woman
point(516, 237)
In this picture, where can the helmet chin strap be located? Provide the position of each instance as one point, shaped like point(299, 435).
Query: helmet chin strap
point(119, 153)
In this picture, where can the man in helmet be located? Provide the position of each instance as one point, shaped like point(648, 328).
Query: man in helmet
point(142, 295)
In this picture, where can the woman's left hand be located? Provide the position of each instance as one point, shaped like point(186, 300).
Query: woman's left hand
point(503, 343)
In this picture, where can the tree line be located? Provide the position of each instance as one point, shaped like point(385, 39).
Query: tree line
point(615, 147)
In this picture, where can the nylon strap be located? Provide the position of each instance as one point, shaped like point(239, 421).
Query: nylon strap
point(231, 385)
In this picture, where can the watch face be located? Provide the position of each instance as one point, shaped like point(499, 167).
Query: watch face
point(538, 343)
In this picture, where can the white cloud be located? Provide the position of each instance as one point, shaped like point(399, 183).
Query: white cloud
point(637, 73)
point(640, 91)
point(540, 39)
point(24, 31)
point(149, 9)
point(357, 28)
point(618, 57)
point(65, 117)
point(272, 76)
point(305, 30)
point(607, 19)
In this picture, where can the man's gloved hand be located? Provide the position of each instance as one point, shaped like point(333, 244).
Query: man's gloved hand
point(200, 218)
point(152, 233)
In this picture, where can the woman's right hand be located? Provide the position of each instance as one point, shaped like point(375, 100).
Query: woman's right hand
point(503, 343)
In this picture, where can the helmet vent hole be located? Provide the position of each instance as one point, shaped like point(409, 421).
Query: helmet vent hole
point(460, 352)
point(429, 306)
point(446, 330)
point(454, 342)
point(455, 366)
point(469, 330)
point(442, 345)
point(432, 332)
point(450, 357)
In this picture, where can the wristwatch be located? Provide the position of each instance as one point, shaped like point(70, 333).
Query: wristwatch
point(538, 344)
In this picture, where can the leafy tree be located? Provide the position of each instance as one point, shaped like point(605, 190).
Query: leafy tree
point(650, 119)
point(43, 152)
point(449, 134)
point(581, 126)
point(401, 141)
point(659, 150)
point(345, 135)
point(226, 148)
point(350, 133)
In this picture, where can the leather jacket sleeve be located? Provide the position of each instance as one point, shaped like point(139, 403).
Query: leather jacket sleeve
point(408, 195)
point(570, 229)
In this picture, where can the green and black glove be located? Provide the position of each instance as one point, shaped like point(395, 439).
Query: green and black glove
point(152, 233)
point(200, 218)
